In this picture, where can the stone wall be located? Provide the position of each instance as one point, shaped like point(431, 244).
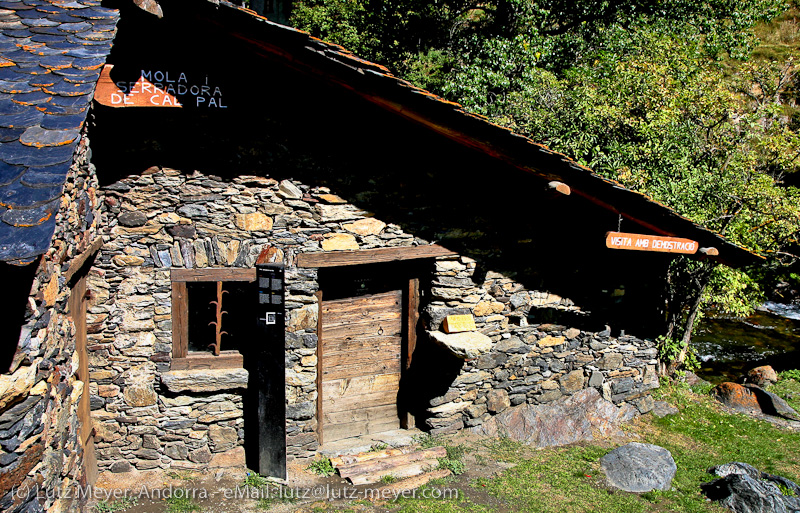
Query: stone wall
point(145, 414)
point(41, 459)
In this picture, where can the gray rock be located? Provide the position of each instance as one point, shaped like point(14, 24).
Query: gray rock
point(596, 379)
point(771, 404)
point(205, 380)
point(745, 489)
point(182, 231)
point(662, 409)
point(512, 345)
point(201, 455)
point(301, 411)
point(132, 219)
point(467, 345)
point(637, 467)
point(580, 417)
point(193, 211)
point(176, 450)
point(121, 466)
point(288, 190)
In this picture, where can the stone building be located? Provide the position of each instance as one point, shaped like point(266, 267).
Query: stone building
point(428, 269)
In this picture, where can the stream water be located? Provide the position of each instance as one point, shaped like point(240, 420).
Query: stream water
point(728, 347)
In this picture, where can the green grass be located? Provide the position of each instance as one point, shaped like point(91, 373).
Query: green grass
point(120, 504)
point(321, 467)
point(788, 388)
point(181, 502)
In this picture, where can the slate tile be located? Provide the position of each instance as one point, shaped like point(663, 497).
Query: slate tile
point(12, 74)
point(19, 154)
point(19, 56)
point(64, 17)
point(17, 195)
point(48, 8)
point(24, 119)
point(84, 80)
point(27, 217)
point(10, 134)
point(55, 61)
point(64, 122)
point(72, 101)
point(73, 5)
point(85, 52)
point(53, 31)
point(16, 87)
point(9, 173)
point(36, 178)
point(8, 108)
point(65, 88)
point(97, 35)
point(45, 80)
point(33, 98)
point(61, 110)
point(46, 38)
point(74, 28)
point(17, 33)
point(38, 21)
point(89, 64)
point(16, 6)
point(39, 137)
point(74, 72)
point(25, 243)
point(12, 25)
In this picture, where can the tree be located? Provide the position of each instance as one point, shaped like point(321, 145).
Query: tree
point(653, 94)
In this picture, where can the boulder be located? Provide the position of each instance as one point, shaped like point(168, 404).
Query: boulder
point(467, 345)
point(581, 417)
point(736, 396)
point(638, 467)
point(761, 376)
point(743, 488)
point(771, 404)
point(662, 409)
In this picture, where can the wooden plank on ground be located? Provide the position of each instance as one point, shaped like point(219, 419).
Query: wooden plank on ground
point(349, 459)
point(386, 464)
point(370, 256)
point(412, 483)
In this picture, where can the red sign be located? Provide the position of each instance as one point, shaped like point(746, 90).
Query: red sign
point(639, 242)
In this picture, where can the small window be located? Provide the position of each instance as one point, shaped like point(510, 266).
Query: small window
point(214, 319)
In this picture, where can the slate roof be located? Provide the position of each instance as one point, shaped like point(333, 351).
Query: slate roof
point(318, 59)
point(51, 54)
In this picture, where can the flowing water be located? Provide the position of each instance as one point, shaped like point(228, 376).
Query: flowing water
point(728, 347)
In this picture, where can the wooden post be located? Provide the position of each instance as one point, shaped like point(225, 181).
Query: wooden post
point(320, 436)
point(412, 318)
point(180, 328)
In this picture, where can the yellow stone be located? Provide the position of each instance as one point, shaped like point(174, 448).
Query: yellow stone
point(51, 291)
point(17, 385)
point(366, 226)
point(168, 218)
point(332, 199)
point(255, 222)
point(551, 341)
point(39, 388)
point(458, 323)
point(339, 242)
point(77, 391)
point(485, 308)
point(127, 260)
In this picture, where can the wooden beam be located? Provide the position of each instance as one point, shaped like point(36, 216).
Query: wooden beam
point(370, 256)
point(197, 361)
point(213, 274)
point(81, 259)
point(412, 318)
point(180, 327)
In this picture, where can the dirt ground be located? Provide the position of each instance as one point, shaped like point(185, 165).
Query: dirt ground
point(224, 490)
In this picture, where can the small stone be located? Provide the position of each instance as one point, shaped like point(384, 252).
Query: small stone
point(610, 361)
point(223, 437)
point(288, 190)
point(201, 455)
point(107, 390)
point(366, 226)
point(662, 409)
point(127, 260)
point(572, 333)
point(255, 222)
point(467, 345)
point(339, 242)
point(485, 308)
point(596, 379)
point(176, 450)
point(511, 345)
point(332, 199)
point(132, 219)
point(204, 380)
point(639, 468)
point(497, 400)
point(572, 382)
point(193, 211)
point(550, 341)
point(182, 231)
point(140, 395)
point(121, 466)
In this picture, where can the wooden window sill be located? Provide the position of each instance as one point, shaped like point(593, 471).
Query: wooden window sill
point(207, 361)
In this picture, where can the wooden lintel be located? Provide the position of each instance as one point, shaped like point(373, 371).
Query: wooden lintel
point(709, 251)
point(81, 259)
point(214, 274)
point(560, 187)
point(320, 433)
point(197, 361)
point(370, 256)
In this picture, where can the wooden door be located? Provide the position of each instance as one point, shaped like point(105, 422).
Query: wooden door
point(77, 308)
point(361, 363)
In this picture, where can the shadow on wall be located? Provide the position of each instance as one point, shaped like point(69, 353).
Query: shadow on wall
point(17, 281)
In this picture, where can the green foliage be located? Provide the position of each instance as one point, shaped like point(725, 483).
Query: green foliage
point(388, 479)
point(455, 466)
point(321, 467)
point(120, 504)
point(669, 350)
point(785, 490)
point(790, 374)
point(255, 480)
point(181, 502)
point(378, 447)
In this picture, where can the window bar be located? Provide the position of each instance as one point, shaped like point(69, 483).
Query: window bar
point(218, 323)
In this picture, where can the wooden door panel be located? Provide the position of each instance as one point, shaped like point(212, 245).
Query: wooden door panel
point(361, 364)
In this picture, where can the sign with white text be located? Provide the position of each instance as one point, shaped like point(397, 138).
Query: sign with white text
point(639, 242)
point(158, 88)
